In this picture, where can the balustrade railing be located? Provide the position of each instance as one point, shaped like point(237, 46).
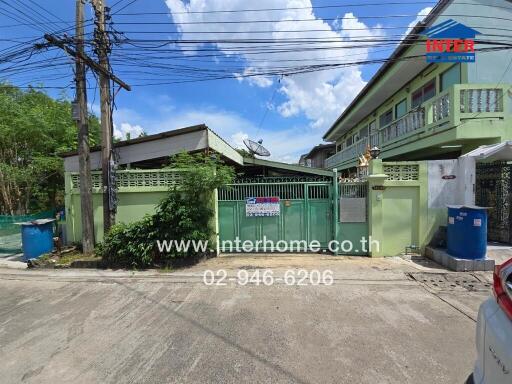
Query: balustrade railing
point(460, 101)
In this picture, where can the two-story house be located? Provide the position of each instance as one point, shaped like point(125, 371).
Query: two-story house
point(317, 156)
point(415, 110)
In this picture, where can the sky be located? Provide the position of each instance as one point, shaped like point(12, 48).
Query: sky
point(289, 113)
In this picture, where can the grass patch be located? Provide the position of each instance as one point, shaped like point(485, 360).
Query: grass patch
point(68, 258)
point(65, 260)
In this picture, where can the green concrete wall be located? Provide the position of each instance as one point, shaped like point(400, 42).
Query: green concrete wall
point(134, 202)
point(132, 206)
point(398, 209)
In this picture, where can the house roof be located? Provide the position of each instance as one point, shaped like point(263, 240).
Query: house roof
point(286, 166)
point(399, 51)
point(194, 138)
point(143, 139)
point(317, 148)
point(159, 146)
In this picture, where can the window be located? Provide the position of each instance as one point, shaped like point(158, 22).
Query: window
point(386, 118)
point(349, 141)
point(429, 90)
point(424, 93)
point(363, 133)
point(401, 109)
point(417, 98)
point(450, 77)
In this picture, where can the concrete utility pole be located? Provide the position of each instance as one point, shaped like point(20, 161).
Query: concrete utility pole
point(103, 48)
point(103, 71)
point(83, 137)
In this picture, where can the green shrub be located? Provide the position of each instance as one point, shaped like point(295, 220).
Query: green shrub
point(129, 245)
point(186, 213)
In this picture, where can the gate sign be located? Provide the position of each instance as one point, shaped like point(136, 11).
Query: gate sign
point(262, 206)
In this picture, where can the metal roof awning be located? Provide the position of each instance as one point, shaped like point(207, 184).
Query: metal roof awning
point(494, 152)
point(286, 166)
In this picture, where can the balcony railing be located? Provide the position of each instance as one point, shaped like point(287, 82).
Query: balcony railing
point(459, 102)
point(412, 121)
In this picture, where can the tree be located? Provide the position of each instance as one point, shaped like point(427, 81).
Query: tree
point(34, 130)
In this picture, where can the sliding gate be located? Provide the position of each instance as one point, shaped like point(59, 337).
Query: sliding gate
point(282, 211)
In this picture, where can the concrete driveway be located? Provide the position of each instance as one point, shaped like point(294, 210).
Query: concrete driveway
point(382, 321)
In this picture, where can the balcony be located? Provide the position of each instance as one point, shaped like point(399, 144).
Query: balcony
point(471, 101)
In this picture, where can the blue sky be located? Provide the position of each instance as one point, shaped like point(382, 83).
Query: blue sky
point(298, 109)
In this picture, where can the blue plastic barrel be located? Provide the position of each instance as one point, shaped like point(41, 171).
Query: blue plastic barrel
point(467, 232)
point(36, 238)
point(453, 230)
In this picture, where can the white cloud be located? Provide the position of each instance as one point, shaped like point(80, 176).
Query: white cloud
point(238, 139)
point(320, 96)
point(421, 15)
point(126, 130)
point(259, 81)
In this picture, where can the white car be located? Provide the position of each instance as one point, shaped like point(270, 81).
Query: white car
point(494, 332)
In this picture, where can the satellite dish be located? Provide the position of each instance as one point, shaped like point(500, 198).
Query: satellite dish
point(256, 148)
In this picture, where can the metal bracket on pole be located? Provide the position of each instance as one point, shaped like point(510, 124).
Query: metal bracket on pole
point(90, 62)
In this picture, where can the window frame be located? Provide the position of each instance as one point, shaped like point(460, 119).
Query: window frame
point(441, 88)
point(389, 111)
point(366, 129)
point(401, 102)
point(422, 90)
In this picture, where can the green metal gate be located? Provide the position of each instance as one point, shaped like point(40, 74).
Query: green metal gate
point(353, 217)
point(305, 214)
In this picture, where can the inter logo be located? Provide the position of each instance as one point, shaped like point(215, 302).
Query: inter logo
point(450, 42)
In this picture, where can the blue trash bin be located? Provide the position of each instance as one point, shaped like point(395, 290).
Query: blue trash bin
point(467, 232)
point(36, 238)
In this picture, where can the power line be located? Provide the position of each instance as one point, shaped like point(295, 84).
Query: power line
point(258, 21)
point(50, 13)
point(337, 6)
point(289, 71)
point(126, 6)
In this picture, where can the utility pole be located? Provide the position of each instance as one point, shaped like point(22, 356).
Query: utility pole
point(107, 161)
point(83, 137)
point(103, 70)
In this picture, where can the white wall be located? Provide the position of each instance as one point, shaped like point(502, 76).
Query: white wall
point(443, 190)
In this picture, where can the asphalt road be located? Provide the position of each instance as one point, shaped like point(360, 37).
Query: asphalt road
point(375, 324)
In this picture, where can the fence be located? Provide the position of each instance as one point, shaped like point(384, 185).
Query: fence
point(138, 192)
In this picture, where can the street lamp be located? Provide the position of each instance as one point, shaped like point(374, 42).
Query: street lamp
point(375, 152)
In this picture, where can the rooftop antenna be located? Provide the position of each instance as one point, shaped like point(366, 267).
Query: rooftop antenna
point(256, 148)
